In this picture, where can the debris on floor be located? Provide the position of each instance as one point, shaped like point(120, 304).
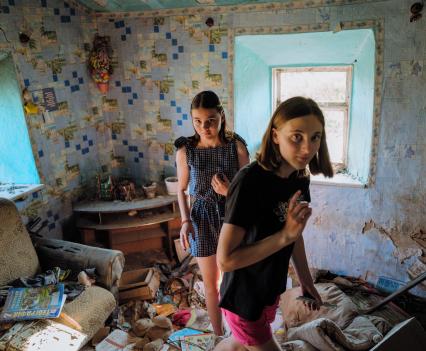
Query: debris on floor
point(159, 304)
point(162, 307)
point(347, 326)
point(175, 316)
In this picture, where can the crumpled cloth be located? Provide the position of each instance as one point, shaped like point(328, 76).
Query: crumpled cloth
point(53, 276)
point(323, 334)
point(50, 277)
point(181, 317)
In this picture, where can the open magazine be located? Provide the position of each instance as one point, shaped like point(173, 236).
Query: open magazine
point(189, 339)
point(33, 303)
point(200, 342)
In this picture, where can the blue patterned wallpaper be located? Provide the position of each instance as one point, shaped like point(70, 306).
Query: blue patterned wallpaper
point(162, 62)
point(70, 144)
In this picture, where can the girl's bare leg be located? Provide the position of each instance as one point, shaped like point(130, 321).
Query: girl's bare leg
point(211, 274)
point(270, 345)
point(230, 344)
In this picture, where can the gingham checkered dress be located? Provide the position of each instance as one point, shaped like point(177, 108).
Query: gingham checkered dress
point(208, 207)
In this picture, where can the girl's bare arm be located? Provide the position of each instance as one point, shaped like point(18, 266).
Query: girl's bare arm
point(183, 179)
point(300, 263)
point(243, 155)
point(231, 257)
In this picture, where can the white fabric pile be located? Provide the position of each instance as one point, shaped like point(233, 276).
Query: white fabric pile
point(329, 329)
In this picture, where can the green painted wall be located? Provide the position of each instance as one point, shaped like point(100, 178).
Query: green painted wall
point(252, 95)
point(16, 163)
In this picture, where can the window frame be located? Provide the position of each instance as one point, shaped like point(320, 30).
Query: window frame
point(344, 106)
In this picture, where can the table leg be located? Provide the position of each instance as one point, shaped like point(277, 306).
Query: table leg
point(87, 236)
point(110, 234)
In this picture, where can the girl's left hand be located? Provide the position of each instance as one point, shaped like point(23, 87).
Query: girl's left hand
point(311, 291)
point(220, 184)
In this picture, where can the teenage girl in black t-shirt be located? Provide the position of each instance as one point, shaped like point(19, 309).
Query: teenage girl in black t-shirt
point(267, 210)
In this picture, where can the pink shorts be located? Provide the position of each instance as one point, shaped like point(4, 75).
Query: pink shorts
point(252, 333)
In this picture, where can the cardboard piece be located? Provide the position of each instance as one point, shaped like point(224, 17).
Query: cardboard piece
point(165, 309)
point(407, 335)
point(139, 284)
point(116, 341)
point(42, 334)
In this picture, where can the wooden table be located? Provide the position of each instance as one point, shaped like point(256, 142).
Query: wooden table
point(133, 226)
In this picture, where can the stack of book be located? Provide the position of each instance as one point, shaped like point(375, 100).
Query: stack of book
point(33, 303)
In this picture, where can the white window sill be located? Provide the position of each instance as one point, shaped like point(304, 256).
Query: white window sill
point(17, 192)
point(339, 179)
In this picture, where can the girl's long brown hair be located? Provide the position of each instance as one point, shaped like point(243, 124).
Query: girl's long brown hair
point(269, 156)
point(209, 100)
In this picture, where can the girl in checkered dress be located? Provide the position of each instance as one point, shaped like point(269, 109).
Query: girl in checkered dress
point(207, 161)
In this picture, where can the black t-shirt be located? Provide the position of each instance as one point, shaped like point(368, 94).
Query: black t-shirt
point(257, 201)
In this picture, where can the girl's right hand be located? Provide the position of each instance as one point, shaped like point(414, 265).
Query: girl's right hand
point(297, 217)
point(185, 231)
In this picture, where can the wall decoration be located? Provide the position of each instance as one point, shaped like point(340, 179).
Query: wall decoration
point(100, 65)
point(49, 97)
point(30, 107)
point(24, 38)
point(416, 11)
point(209, 22)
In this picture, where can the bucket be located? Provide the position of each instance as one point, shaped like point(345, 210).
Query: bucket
point(150, 190)
point(171, 185)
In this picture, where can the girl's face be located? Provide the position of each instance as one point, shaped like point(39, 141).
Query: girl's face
point(207, 122)
point(298, 140)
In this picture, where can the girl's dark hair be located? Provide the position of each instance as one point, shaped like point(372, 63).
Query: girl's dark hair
point(269, 156)
point(209, 100)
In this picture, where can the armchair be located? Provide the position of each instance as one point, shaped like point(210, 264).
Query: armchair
point(22, 257)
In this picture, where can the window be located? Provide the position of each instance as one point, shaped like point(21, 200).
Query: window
point(341, 70)
point(330, 87)
point(17, 163)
